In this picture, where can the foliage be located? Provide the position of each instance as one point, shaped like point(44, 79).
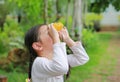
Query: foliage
point(90, 39)
point(31, 11)
point(3, 43)
point(14, 76)
point(91, 17)
point(12, 32)
point(4, 10)
point(100, 5)
point(18, 42)
point(92, 21)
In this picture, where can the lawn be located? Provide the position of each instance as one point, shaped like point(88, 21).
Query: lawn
point(79, 74)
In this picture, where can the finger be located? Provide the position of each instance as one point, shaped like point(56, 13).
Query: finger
point(52, 24)
point(62, 30)
point(64, 27)
point(63, 36)
point(51, 27)
point(60, 35)
point(48, 26)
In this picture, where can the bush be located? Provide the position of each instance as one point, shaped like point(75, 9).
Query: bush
point(90, 40)
point(12, 33)
point(3, 42)
point(92, 21)
point(91, 17)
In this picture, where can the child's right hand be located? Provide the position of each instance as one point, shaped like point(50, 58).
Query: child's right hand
point(53, 33)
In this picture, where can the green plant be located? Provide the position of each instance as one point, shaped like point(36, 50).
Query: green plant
point(3, 42)
point(91, 17)
point(14, 76)
point(90, 39)
point(12, 35)
point(18, 42)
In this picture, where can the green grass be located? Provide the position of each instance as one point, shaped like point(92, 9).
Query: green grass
point(78, 74)
point(14, 76)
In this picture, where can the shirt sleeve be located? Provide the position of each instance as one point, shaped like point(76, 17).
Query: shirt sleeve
point(79, 56)
point(55, 67)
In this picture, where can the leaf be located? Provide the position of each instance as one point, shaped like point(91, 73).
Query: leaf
point(92, 1)
point(19, 4)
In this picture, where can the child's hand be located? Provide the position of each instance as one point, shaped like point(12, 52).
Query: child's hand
point(64, 35)
point(53, 33)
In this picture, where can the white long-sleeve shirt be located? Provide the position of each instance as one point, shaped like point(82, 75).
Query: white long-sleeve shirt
point(44, 70)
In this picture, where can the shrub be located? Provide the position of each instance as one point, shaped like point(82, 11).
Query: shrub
point(91, 17)
point(92, 21)
point(90, 40)
point(12, 33)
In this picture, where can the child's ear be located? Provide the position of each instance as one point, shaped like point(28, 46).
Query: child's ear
point(37, 46)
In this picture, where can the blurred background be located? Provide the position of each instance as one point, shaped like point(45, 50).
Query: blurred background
point(95, 22)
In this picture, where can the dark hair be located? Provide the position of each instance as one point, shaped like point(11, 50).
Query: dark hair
point(30, 37)
point(68, 73)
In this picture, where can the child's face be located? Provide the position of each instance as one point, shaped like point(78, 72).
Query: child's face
point(46, 40)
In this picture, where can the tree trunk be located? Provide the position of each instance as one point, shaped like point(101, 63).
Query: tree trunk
point(58, 11)
point(2, 23)
point(77, 19)
point(45, 11)
point(68, 13)
point(84, 11)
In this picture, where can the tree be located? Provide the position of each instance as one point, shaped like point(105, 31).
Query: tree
point(68, 12)
point(33, 10)
point(4, 10)
point(77, 18)
point(45, 11)
point(100, 5)
point(58, 10)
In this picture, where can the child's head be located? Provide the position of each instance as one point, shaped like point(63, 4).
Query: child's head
point(37, 39)
point(38, 42)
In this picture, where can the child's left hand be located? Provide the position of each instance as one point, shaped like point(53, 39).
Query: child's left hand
point(64, 35)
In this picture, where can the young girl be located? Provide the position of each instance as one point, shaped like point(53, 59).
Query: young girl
point(48, 58)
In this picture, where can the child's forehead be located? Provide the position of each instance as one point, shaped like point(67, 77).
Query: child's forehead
point(43, 28)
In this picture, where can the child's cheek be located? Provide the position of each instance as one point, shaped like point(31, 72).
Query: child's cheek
point(49, 40)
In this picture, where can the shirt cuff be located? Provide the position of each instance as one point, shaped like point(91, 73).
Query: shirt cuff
point(77, 44)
